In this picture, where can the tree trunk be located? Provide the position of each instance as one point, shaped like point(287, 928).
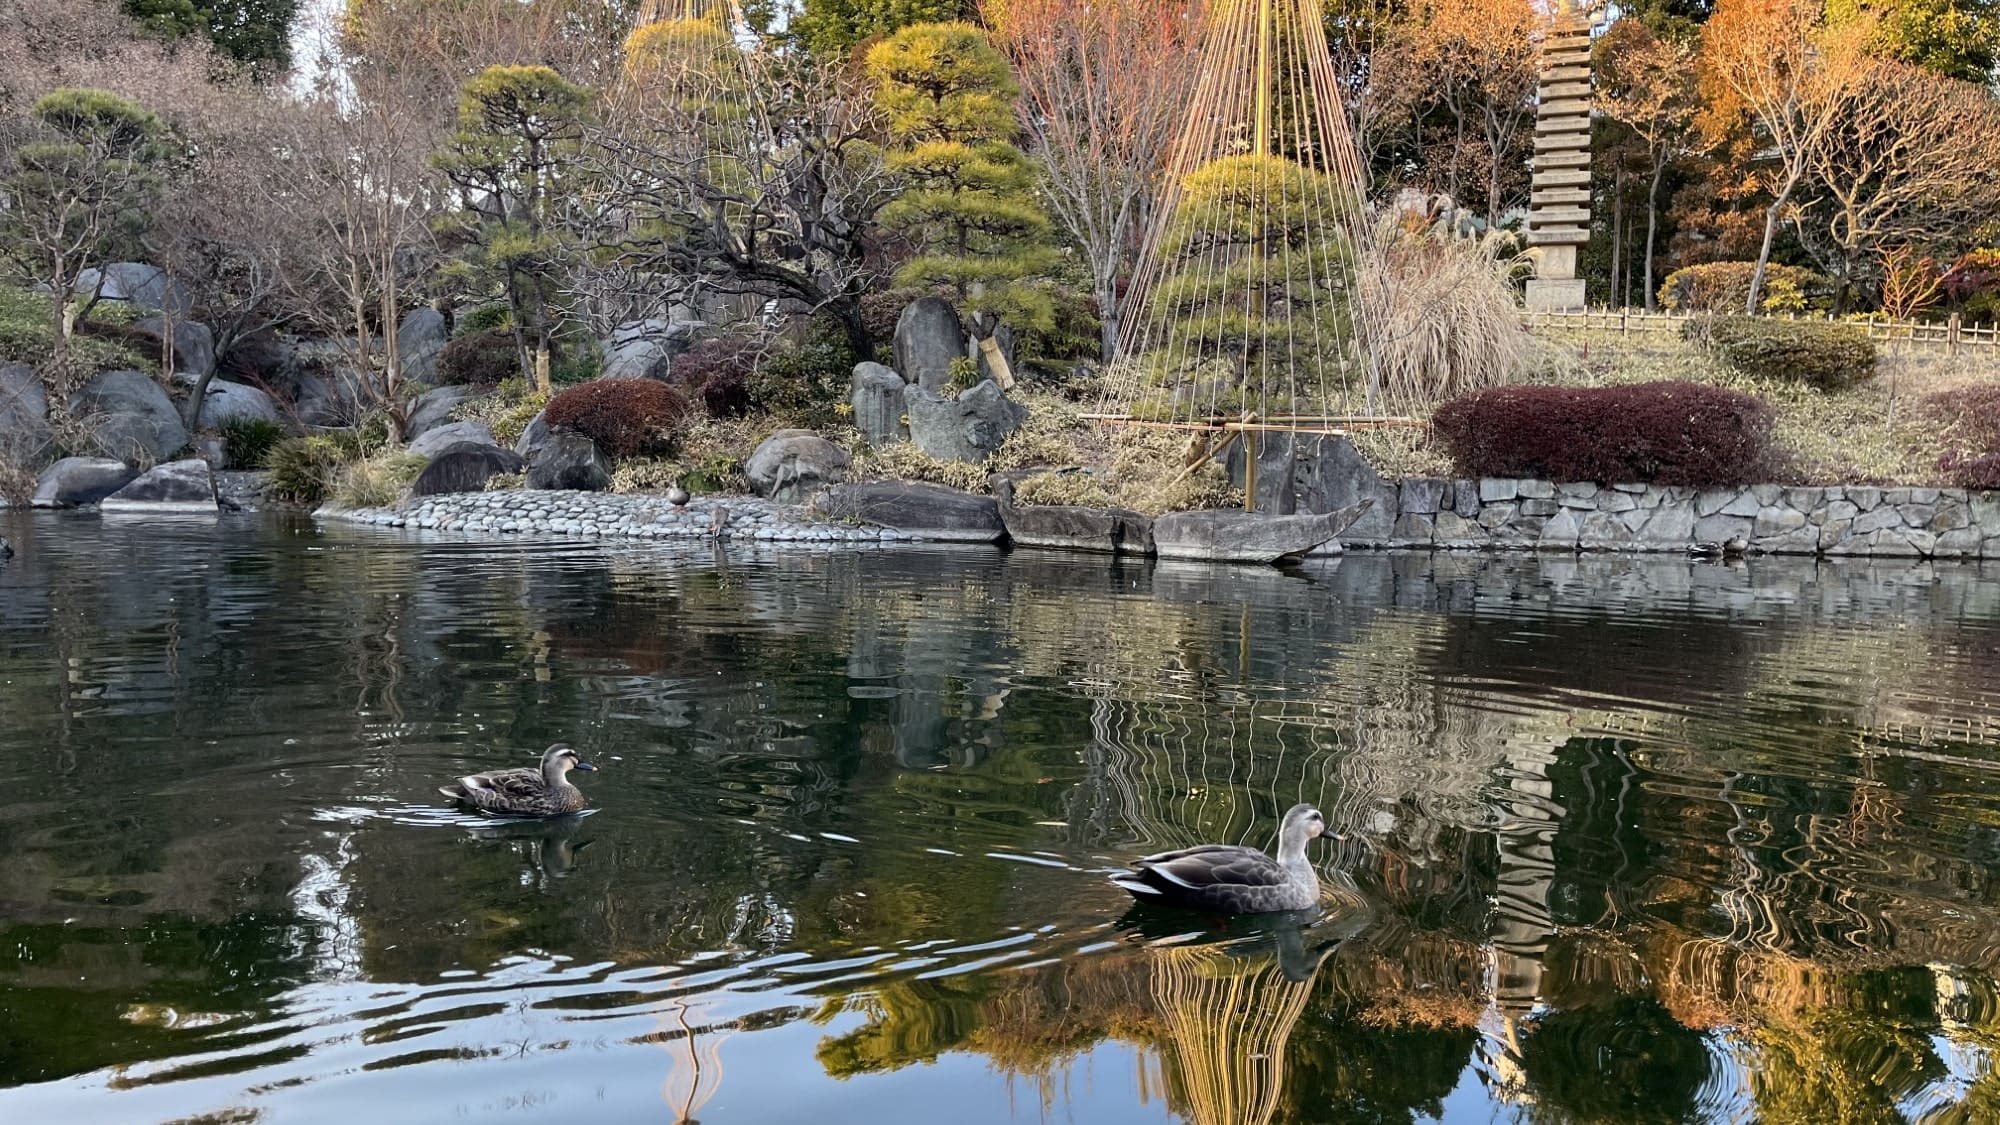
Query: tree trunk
point(1109, 319)
point(1770, 236)
point(1652, 224)
point(1617, 233)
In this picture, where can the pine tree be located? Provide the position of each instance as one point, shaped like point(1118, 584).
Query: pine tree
point(519, 128)
point(969, 205)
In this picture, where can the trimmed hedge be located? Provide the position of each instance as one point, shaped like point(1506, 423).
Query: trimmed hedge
point(1968, 425)
point(1656, 433)
point(1817, 353)
point(625, 417)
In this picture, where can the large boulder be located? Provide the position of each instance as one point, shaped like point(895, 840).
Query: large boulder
point(877, 398)
point(440, 438)
point(132, 418)
point(176, 487)
point(137, 284)
point(534, 435)
point(968, 428)
point(194, 344)
point(926, 511)
point(419, 339)
point(465, 467)
point(568, 461)
point(74, 482)
point(645, 349)
point(1333, 475)
point(929, 336)
point(330, 398)
point(791, 465)
point(433, 408)
point(226, 402)
point(1231, 536)
point(24, 411)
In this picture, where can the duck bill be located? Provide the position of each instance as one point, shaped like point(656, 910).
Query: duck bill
point(583, 765)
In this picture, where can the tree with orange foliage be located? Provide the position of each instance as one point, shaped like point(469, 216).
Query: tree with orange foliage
point(1481, 57)
point(1778, 64)
point(1105, 87)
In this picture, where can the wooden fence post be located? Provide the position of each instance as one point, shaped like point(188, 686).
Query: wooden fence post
point(1951, 328)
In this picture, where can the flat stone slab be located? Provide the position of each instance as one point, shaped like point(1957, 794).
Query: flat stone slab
point(1075, 527)
point(1227, 536)
point(175, 488)
point(925, 511)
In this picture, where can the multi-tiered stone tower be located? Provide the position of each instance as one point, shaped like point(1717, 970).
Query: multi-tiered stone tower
point(1559, 207)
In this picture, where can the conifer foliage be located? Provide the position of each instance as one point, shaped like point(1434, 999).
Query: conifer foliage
point(969, 205)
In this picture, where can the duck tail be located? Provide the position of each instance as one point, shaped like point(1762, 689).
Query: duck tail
point(456, 791)
point(1135, 884)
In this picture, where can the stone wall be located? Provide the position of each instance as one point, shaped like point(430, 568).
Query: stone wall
point(1758, 519)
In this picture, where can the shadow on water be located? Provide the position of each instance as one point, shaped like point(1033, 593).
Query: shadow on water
point(1631, 840)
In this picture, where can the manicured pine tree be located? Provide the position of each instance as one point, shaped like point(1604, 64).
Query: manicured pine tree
point(969, 206)
point(519, 128)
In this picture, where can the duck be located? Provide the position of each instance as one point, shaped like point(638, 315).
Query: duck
point(1232, 879)
point(545, 791)
point(678, 496)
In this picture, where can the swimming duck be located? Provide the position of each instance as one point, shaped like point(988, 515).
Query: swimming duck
point(1232, 879)
point(525, 792)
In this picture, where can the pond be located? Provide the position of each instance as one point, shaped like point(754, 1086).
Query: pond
point(1627, 839)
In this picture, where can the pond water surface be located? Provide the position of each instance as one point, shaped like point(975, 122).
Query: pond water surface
point(1629, 840)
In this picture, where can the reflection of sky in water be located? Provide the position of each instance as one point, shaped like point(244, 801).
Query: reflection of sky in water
point(1630, 837)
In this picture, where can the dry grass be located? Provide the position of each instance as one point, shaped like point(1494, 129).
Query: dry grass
point(1062, 488)
point(379, 481)
point(1443, 312)
point(1869, 434)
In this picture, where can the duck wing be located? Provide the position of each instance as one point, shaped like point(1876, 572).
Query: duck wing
point(499, 789)
point(1213, 865)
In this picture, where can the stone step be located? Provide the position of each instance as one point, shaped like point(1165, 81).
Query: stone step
point(1558, 236)
point(1555, 91)
point(1576, 158)
point(1555, 215)
point(1566, 107)
point(1566, 73)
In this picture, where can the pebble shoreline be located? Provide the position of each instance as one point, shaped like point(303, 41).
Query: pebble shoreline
point(610, 515)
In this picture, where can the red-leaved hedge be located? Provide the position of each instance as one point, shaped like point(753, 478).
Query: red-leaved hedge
point(623, 416)
point(1658, 433)
point(1968, 427)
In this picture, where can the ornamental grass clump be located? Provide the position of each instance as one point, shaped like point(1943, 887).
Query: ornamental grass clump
point(379, 481)
point(1817, 353)
point(625, 417)
point(1658, 433)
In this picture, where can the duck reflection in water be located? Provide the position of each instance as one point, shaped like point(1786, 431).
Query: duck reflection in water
point(550, 846)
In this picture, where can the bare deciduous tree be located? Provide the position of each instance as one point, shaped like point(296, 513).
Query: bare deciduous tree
point(767, 187)
point(1910, 161)
point(1105, 89)
point(362, 180)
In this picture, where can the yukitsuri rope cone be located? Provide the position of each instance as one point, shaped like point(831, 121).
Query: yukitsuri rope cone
point(1251, 313)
